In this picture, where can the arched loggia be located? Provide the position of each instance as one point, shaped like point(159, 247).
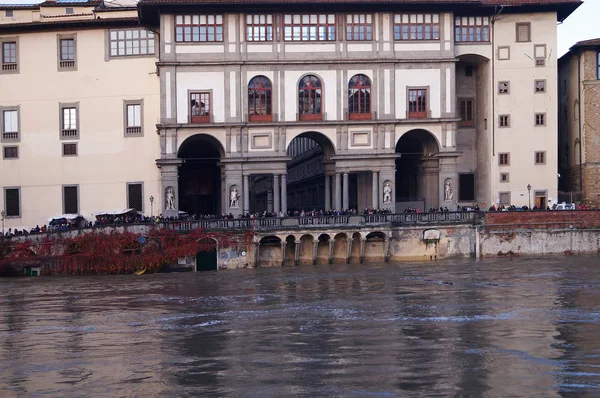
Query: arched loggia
point(200, 175)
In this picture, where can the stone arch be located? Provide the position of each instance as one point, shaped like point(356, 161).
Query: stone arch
point(340, 248)
point(374, 250)
point(306, 249)
point(325, 142)
point(208, 258)
point(202, 138)
point(269, 251)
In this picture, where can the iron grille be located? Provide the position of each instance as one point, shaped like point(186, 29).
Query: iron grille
point(11, 152)
point(69, 149)
point(13, 207)
point(71, 200)
point(135, 197)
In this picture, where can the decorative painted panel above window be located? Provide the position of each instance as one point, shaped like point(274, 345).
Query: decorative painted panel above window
point(128, 42)
point(359, 98)
point(259, 27)
point(309, 27)
point(359, 27)
point(416, 27)
point(259, 99)
point(199, 28)
point(471, 29)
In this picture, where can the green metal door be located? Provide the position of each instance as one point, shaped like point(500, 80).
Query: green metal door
point(206, 261)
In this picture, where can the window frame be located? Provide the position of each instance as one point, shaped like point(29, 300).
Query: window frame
point(507, 88)
point(361, 115)
point(68, 155)
point(63, 65)
point(200, 119)
point(265, 97)
point(147, 40)
point(9, 67)
point(133, 131)
point(2, 131)
point(500, 121)
point(543, 158)
point(4, 148)
point(519, 25)
point(458, 35)
point(9, 13)
point(398, 26)
point(64, 207)
point(506, 180)
point(61, 130)
point(292, 25)
point(417, 114)
point(507, 193)
point(320, 89)
point(535, 90)
point(19, 202)
point(206, 25)
point(256, 26)
point(543, 116)
point(129, 184)
point(467, 122)
point(351, 27)
point(500, 155)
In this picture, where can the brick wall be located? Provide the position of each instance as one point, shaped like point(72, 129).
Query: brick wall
point(591, 131)
point(542, 219)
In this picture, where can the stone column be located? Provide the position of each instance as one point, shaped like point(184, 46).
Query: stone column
point(362, 249)
point(297, 253)
point(327, 193)
point(331, 244)
point(315, 251)
point(276, 193)
point(375, 200)
point(283, 244)
point(284, 194)
point(269, 195)
point(346, 193)
point(246, 195)
point(348, 249)
point(338, 191)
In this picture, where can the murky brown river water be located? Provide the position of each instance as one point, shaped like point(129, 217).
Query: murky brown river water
point(501, 328)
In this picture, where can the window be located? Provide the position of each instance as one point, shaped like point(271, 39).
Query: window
point(540, 119)
point(259, 99)
point(309, 98)
point(472, 29)
point(540, 157)
point(359, 97)
point(504, 198)
point(133, 118)
point(69, 10)
point(523, 32)
point(10, 125)
point(309, 27)
point(135, 196)
point(69, 122)
point(540, 86)
point(11, 152)
point(503, 87)
point(199, 28)
point(466, 108)
point(70, 149)
point(259, 27)
point(504, 120)
point(417, 103)
point(67, 56)
point(539, 51)
point(503, 159)
point(9, 13)
point(9, 57)
point(128, 42)
point(359, 27)
point(200, 107)
point(504, 177)
point(71, 199)
point(466, 187)
point(416, 27)
point(12, 202)
point(503, 53)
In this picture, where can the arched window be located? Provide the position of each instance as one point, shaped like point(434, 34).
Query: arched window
point(359, 97)
point(259, 99)
point(309, 98)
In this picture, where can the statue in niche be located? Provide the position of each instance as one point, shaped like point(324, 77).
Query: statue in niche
point(387, 192)
point(170, 202)
point(448, 191)
point(234, 198)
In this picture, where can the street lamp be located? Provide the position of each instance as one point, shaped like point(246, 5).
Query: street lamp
point(2, 214)
point(529, 194)
point(151, 207)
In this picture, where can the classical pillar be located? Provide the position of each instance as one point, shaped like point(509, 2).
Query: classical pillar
point(327, 193)
point(315, 251)
point(362, 249)
point(331, 244)
point(375, 201)
point(345, 205)
point(338, 191)
point(246, 195)
point(269, 195)
point(348, 249)
point(276, 193)
point(283, 244)
point(297, 252)
point(284, 194)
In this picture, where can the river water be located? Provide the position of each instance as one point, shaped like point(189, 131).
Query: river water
point(494, 328)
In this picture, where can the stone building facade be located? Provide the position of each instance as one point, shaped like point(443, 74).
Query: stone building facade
point(579, 114)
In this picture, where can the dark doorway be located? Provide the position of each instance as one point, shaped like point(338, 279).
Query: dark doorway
point(200, 175)
point(206, 260)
